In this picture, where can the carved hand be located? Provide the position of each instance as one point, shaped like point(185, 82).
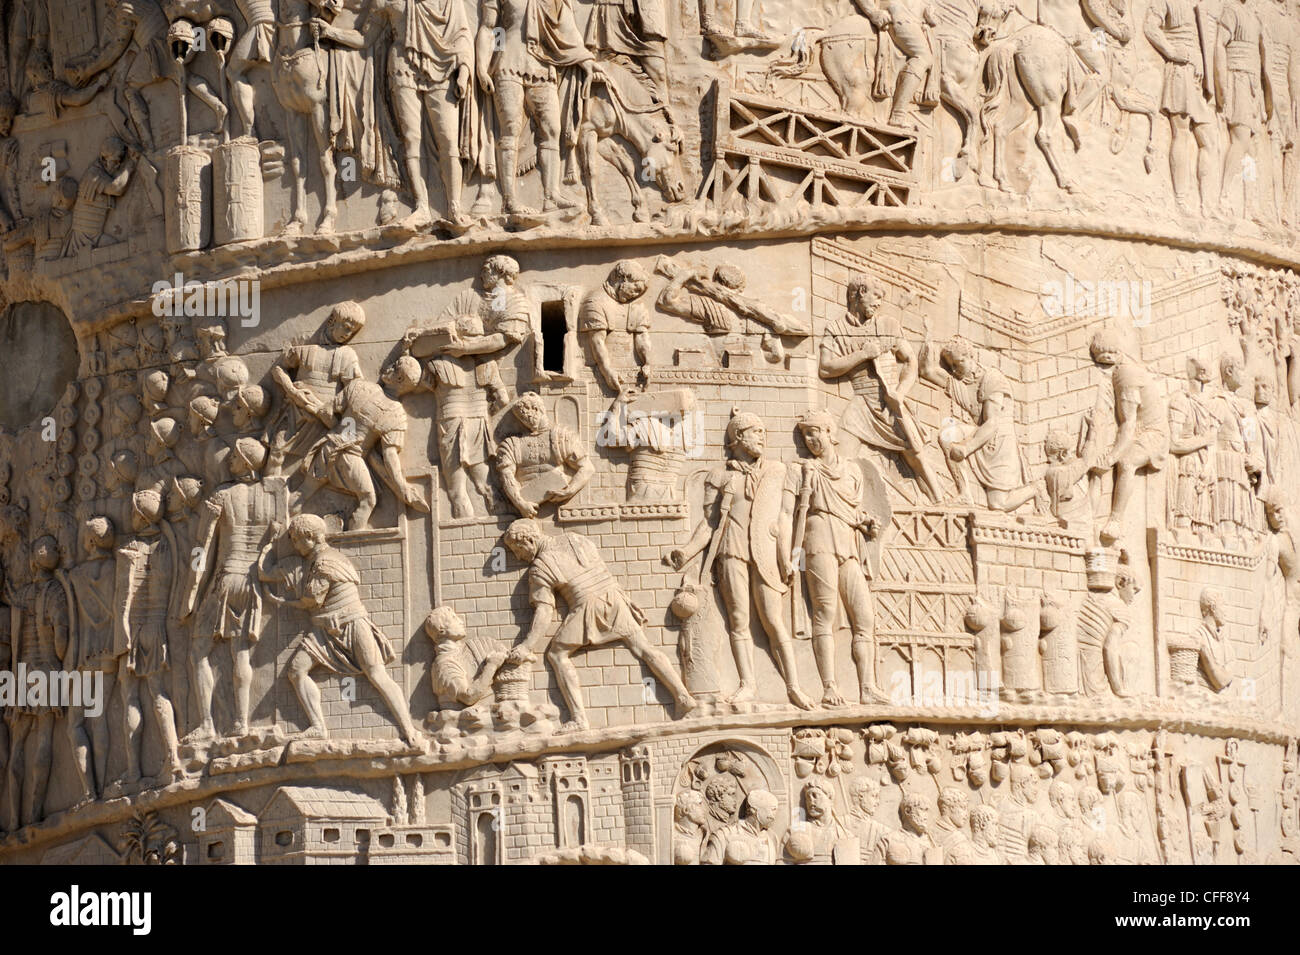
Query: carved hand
point(519, 655)
point(675, 558)
point(558, 496)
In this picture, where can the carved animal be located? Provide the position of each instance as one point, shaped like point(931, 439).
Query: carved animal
point(618, 104)
point(1029, 67)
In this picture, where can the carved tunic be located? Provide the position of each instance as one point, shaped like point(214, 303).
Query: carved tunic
point(867, 418)
point(601, 312)
point(43, 618)
point(348, 641)
point(629, 27)
point(233, 604)
point(834, 506)
point(322, 368)
point(528, 456)
point(1234, 500)
point(599, 611)
point(1243, 96)
point(1180, 93)
point(91, 585)
point(1192, 495)
point(436, 40)
point(997, 464)
point(144, 585)
point(464, 437)
point(259, 20)
point(539, 35)
point(748, 532)
point(144, 22)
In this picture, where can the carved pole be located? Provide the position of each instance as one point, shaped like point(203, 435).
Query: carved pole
point(798, 609)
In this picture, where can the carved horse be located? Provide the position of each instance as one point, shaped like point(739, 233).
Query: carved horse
point(842, 51)
point(1030, 68)
point(618, 104)
point(300, 78)
point(958, 60)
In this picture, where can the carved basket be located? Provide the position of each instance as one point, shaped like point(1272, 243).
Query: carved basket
point(1100, 566)
point(1183, 662)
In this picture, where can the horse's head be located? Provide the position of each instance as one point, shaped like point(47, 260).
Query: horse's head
point(991, 19)
point(664, 158)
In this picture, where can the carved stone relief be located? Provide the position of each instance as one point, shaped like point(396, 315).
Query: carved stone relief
point(852, 433)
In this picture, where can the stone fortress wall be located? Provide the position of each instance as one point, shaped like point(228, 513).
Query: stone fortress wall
point(822, 273)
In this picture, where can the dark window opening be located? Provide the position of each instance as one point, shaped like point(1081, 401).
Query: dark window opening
point(554, 330)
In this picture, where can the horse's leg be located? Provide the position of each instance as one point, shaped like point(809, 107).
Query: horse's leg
point(627, 169)
point(955, 97)
point(320, 127)
point(1049, 114)
point(1044, 80)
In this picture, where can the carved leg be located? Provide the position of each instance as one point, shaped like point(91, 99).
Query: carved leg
point(462, 506)
point(1206, 167)
point(909, 81)
point(618, 158)
point(822, 581)
point(407, 112)
point(392, 697)
point(356, 480)
point(955, 97)
point(14, 771)
point(408, 494)
point(733, 583)
point(199, 87)
point(566, 676)
point(770, 614)
point(299, 674)
point(296, 128)
point(663, 670)
point(132, 719)
point(204, 684)
point(242, 673)
point(509, 103)
point(241, 92)
point(444, 120)
point(543, 104)
point(1234, 165)
point(588, 145)
point(165, 716)
point(1125, 477)
point(100, 739)
point(139, 110)
point(321, 131)
point(479, 477)
point(1049, 114)
point(80, 743)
